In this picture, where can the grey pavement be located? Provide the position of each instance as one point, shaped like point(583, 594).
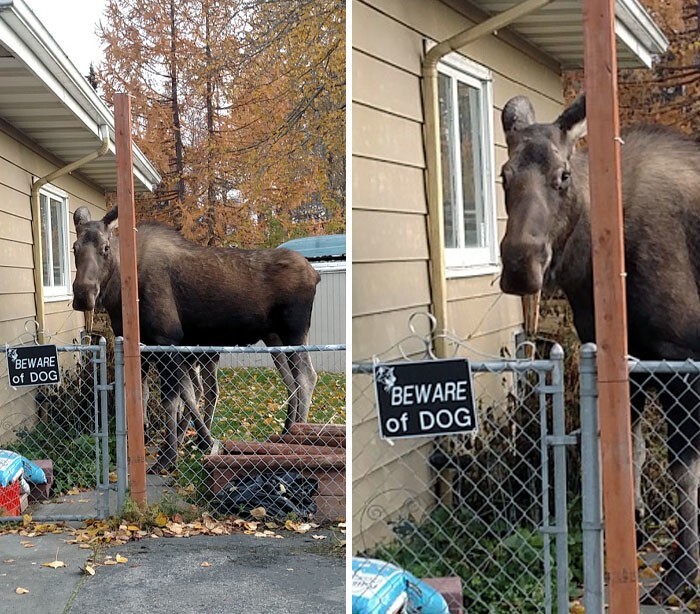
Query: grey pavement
point(245, 574)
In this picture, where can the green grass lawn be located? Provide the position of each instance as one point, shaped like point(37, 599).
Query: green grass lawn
point(252, 403)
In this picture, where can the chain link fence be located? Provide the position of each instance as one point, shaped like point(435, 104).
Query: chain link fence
point(489, 508)
point(666, 448)
point(66, 429)
point(249, 430)
point(236, 430)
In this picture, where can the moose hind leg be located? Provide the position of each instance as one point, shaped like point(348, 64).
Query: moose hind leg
point(305, 378)
point(284, 367)
point(210, 383)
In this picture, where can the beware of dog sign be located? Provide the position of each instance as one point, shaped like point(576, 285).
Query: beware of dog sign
point(33, 365)
point(416, 399)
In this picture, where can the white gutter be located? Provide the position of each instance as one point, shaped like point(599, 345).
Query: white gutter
point(36, 225)
point(431, 108)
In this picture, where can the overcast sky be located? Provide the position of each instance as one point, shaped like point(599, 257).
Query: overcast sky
point(72, 23)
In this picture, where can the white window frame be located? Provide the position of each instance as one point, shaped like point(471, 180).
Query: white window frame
point(52, 292)
point(472, 261)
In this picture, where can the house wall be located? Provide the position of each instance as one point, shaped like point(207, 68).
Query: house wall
point(19, 164)
point(390, 239)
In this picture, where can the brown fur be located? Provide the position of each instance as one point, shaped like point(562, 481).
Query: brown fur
point(194, 295)
point(548, 241)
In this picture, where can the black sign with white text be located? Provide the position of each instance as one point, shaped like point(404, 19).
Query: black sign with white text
point(433, 397)
point(32, 365)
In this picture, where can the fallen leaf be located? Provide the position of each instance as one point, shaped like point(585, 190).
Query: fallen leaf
point(121, 559)
point(318, 536)
point(89, 570)
point(133, 527)
point(21, 591)
point(205, 564)
point(27, 544)
point(26, 519)
point(161, 519)
point(258, 513)
point(9, 561)
point(54, 564)
point(73, 491)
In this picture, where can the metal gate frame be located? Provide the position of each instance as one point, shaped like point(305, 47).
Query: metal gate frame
point(552, 443)
point(99, 427)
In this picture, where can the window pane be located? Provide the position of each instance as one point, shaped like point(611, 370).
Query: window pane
point(57, 242)
point(447, 150)
point(472, 166)
point(45, 238)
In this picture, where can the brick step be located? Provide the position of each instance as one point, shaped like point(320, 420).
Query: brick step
point(328, 469)
point(247, 447)
point(309, 428)
point(451, 589)
point(332, 441)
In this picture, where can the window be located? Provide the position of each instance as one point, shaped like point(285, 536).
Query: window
point(466, 143)
point(54, 243)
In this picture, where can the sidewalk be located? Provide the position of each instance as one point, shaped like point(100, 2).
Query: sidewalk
point(245, 574)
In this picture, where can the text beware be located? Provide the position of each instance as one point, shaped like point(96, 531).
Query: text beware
point(33, 365)
point(425, 398)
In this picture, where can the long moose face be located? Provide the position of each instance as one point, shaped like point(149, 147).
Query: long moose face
point(93, 258)
point(540, 192)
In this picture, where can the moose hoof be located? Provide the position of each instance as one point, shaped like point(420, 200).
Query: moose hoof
point(161, 466)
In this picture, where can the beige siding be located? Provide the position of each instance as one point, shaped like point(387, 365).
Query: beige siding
point(390, 242)
point(19, 166)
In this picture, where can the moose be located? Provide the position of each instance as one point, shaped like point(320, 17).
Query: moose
point(547, 244)
point(193, 295)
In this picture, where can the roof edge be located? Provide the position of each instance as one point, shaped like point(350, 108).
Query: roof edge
point(637, 20)
point(35, 46)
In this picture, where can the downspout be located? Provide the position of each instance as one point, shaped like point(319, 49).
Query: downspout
point(431, 106)
point(36, 225)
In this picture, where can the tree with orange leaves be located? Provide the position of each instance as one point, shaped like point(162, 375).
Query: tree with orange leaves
point(241, 105)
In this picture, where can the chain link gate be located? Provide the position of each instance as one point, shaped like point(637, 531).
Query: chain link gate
point(490, 508)
point(68, 424)
point(230, 447)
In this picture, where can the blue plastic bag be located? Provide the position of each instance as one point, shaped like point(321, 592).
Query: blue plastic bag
point(379, 587)
point(14, 466)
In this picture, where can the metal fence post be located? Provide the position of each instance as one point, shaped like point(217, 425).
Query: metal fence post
point(103, 485)
point(559, 441)
point(591, 484)
point(120, 422)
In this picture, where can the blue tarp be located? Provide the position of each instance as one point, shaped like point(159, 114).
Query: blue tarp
point(14, 466)
point(379, 587)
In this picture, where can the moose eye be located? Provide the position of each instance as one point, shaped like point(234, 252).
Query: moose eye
point(505, 177)
point(564, 180)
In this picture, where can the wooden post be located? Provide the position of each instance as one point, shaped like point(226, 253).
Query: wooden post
point(600, 64)
point(130, 298)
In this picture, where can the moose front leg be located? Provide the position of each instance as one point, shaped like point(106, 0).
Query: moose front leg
point(681, 401)
point(171, 373)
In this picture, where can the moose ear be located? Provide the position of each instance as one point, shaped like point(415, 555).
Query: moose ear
point(572, 122)
point(516, 115)
point(81, 215)
point(110, 219)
